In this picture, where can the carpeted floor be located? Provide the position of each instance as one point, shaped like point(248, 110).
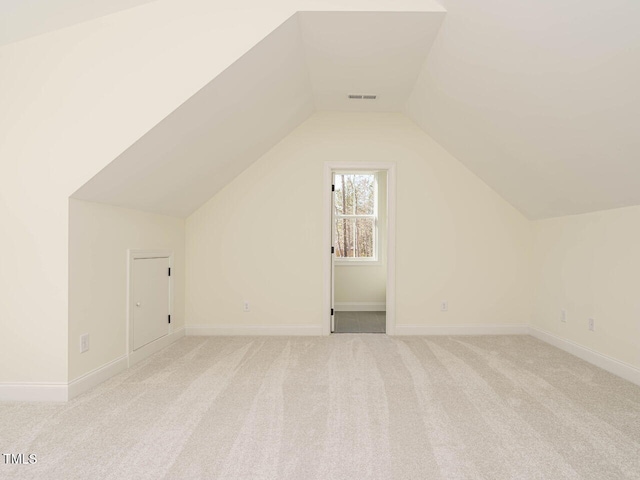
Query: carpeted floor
point(360, 322)
point(339, 407)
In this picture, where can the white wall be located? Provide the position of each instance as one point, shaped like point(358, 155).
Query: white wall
point(99, 239)
point(589, 265)
point(72, 100)
point(366, 283)
point(260, 238)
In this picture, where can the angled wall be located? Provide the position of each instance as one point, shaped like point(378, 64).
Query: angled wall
point(213, 136)
point(539, 99)
point(73, 100)
point(22, 20)
point(260, 238)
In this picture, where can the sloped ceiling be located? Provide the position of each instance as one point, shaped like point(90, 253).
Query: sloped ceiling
point(20, 19)
point(312, 61)
point(189, 156)
point(540, 99)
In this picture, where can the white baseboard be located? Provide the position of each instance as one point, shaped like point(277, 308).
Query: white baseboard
point(155, 346)
point(97, 376)
point(506, 329)
point(360, 306)
point(251, 330)
point(33, 392)
point(621, 369)
point(62, 392)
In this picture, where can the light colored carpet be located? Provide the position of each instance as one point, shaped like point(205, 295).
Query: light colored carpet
point(339, 407)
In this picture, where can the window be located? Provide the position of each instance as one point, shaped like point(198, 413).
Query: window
point(356, 216)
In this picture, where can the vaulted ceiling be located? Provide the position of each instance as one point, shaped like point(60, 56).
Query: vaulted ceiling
point(313, 61)
point(538, 98)
point(20, 19)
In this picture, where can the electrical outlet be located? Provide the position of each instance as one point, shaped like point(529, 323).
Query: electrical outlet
point(563, 315)
point(592, 324)
point(246, 307)
point(444, 306)
point(84, 343)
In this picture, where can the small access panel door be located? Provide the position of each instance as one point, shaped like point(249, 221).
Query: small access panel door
point(151, 318)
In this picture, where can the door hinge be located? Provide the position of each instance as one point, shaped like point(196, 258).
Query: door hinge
point(333, 188)
point(169, 318)
point(169, 271)
point(333, 250)
point(332, 312)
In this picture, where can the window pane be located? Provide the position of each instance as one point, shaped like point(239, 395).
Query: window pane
point(354, 238)
point(343, 236)
point(364, 235)
point(363, 191)
point(354, 194)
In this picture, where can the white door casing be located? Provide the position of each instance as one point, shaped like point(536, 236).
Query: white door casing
point(333, 255)
point(390, 168)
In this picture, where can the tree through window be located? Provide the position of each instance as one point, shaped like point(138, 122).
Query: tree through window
point(356, 216)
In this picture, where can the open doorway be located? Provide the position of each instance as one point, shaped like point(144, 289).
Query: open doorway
point(360, 236)
point(359, 230)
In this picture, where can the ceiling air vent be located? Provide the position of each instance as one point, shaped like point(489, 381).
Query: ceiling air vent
point(354, 96)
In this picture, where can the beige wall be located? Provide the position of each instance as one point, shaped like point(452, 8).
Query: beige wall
point(99, 239)
point(589, 265)
point(260, 238)
point(72, 100)
point(360, 285)
point(366, 283)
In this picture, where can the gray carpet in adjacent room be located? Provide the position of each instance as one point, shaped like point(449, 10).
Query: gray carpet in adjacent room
point(339, 407)
point(360, 322)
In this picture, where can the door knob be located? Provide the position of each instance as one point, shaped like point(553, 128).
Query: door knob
point(137, 304)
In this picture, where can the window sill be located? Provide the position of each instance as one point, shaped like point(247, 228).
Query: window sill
point(358, 263)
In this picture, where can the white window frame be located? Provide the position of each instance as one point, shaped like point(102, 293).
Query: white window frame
point(361, 261)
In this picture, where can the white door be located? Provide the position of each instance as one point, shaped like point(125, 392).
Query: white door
point(333, 250)
point(150, 300)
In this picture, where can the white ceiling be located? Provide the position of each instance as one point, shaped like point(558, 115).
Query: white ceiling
point(541, 99)
point(538, 98)
point(312, 61)
point(206, 142)
point(20, 19)
point(366, 53)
